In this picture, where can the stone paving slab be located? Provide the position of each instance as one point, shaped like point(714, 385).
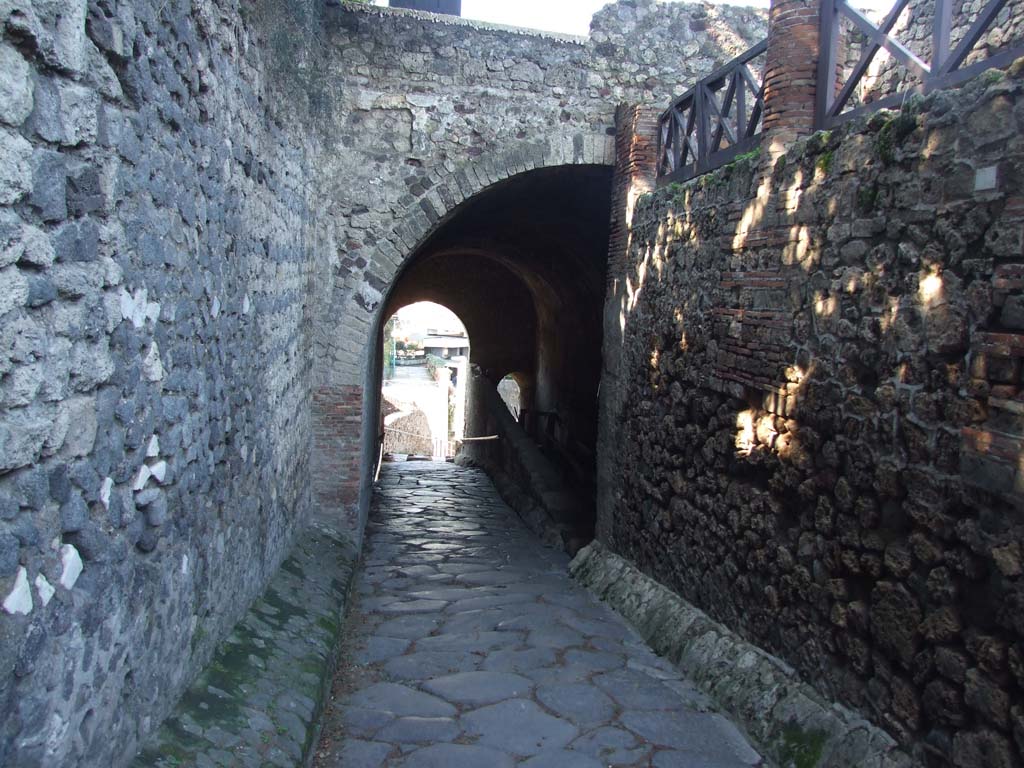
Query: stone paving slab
point(473, 647)
point(793, 724)
point(259, 701)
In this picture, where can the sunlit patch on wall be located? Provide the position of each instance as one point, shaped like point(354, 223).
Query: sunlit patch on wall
point(745, 432)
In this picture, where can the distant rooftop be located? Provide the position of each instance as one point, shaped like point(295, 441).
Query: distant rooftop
point(447, 342)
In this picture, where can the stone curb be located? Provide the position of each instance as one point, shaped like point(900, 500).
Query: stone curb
point(259, 701)
point(787, 719)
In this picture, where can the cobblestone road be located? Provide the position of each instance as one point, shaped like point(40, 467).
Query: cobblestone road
point(474, 649)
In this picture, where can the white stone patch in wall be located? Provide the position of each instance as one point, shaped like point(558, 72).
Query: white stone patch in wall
point(38, 250)
point(81, 435)
point(142, 478)
point(153, 311)
point(66, 113)
point(422, 100)
point(71, 566)
point(15, 86)
point(986, 179)
point(215, 307)
point(58, 734)
point(152, 368)
point(13, 289)
point(20, 598)
point(389, 101)
point(68, 47)
point(246, 305)
point(105, 489)
point(45, 590)
point(133, 307)
point(112, 272)
point(15, 167)
point(153, 449)
point(159, 471)
point(184, 565)
point(371, 296)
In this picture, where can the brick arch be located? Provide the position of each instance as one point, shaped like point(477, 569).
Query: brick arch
point(346, 397)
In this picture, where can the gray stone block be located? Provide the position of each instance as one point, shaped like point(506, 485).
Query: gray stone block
point(22, 435)
point(41, 291)
point(15, 86)
point(77, 242)
point(9, 554)
point(15, 167)
point(65, 113)
point(85, 192)
point(49, 185)
point(74, 514)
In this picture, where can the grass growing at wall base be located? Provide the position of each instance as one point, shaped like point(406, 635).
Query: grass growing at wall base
point(800, 748)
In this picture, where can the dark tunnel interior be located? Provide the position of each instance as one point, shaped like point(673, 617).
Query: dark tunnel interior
point(523, 265)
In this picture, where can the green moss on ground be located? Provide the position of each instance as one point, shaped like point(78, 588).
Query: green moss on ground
point(801, 748)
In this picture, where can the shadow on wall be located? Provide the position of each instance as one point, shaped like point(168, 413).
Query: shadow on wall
point(820, 432)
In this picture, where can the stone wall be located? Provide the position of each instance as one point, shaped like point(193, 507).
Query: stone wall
point(202, 206)
point(157, 241)
point(430, 112)
point(816, 412)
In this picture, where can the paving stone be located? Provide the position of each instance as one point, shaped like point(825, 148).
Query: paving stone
point(581, 703)
point(555, 637)
point(709, 735)
point(562, 759)
point(522, 661)
point(420, 666)
point(401, 700)
point(381, 648)
point(502, 665)
point(469, 641)
point(476, 688)
point(364, 754)
point(364, 722)
point(518, 726)
point(413, 606)
point(633, 690)
point(420, 730)
point(457, 756)
point(408, 627)
point(615, 746)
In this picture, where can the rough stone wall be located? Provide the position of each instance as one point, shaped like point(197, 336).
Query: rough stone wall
point(174, 175)
point(422, 99)
point(156, 250)
point(430, 112)
point(818, 409)
point(914, 28)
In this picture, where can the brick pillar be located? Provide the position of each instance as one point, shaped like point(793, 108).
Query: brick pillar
point(791, 69)
point(636, 167)
point(337, 456)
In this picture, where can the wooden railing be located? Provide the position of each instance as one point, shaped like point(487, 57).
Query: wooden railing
point(718, 119)
point(941, 68)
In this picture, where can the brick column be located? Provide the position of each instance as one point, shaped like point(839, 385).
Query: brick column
point(636, 165)
point(791, 70)
point(337, 456)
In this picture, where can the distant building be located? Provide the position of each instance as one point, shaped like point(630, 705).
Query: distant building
point(450, 7)
point(446, 346)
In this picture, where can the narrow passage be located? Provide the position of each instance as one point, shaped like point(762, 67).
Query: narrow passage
point(473, 648)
